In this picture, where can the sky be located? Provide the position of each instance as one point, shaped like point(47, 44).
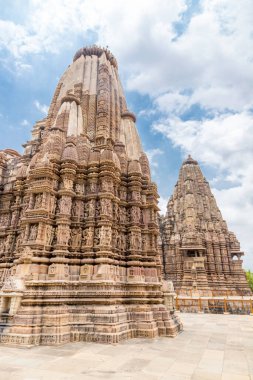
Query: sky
point(187, 70)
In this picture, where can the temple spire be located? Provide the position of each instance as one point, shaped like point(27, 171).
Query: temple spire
point(199, 249)
point(78, 221)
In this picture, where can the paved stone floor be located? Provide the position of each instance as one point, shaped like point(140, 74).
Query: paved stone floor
point(211, 347)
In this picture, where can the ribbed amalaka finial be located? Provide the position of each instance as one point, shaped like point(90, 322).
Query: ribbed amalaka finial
point(190, 160)
point(98, 51)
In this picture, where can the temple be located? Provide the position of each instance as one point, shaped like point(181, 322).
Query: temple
point(200, 255)
point(79, 257)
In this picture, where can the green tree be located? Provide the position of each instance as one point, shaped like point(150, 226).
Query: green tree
point(249, 276)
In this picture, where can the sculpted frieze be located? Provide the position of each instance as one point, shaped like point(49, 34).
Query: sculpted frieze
point(49, 235)
point(38, 201)
point(65, 205)
point(106, 206)
point(92, 187)
point(1, 245)
point(67, 183)
point(91, 209)
point(4, 220)
point(63, 235)
point(106, 185)
point(135, 214)
point(135, 241)
point(96, 236)
point(33, 232)
point(76, 235)
point(122, 215)
point(14, 217)
point(123, 194)
point(105, 235)
point(88, 237)
point(97, 209)
point(79, 188)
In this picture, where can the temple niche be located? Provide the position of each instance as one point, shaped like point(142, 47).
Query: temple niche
point(79, 257)
point(200, 255)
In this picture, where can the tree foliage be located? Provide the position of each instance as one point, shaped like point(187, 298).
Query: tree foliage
point(249, 276)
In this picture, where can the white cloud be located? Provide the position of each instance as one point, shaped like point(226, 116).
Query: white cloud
point(162, 204)
point(212, 57)
point(43, 108)
point(152, 154)
point(25, 123)
point(172, 102)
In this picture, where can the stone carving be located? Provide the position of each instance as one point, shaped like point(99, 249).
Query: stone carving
point(49, 235)
point(63, 235)
point(105, 235)
point(38, 201)
point(68, 184)
point(8, 242)
point(106, 206)
point(74, 210)
point(96, 237)
point(14, 218)
point(76, 235)
point(92, 187)
point(4, 220)
point(116, 211)
point(65, 205)
point(26, 254)
point(78, 188)
point(88, 236)
point(123, 242)
point(135, 241)
point(135, 214)
point(91, 209)
point(144, 244)
point(33, 232)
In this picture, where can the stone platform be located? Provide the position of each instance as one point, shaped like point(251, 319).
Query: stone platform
point(211, 347)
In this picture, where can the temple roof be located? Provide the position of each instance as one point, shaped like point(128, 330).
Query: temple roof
point(192, 206)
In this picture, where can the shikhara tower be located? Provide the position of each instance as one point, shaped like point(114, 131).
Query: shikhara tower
point(200, 255)
point(78, 220)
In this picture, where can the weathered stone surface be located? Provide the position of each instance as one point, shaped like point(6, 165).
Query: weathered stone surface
point(78, 221)
point(200, 255)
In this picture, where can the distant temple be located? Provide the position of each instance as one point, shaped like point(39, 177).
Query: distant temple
point(79, 259)
point(200, 255)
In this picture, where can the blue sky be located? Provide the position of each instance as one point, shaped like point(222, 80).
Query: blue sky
point(186, 67)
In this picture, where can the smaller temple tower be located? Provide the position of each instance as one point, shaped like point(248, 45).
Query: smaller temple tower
point(201, 256)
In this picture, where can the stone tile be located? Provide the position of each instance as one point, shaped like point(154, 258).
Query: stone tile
point(186, 369)
point(158, 365)
point(201, 374)
point(5, 375)
point(230, 376)
point(134, 365)
point(169, 376)
point(212, 361)
point(235, 362)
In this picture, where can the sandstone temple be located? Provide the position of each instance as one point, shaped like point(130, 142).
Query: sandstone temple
point(200, 255)
point(79, 258)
